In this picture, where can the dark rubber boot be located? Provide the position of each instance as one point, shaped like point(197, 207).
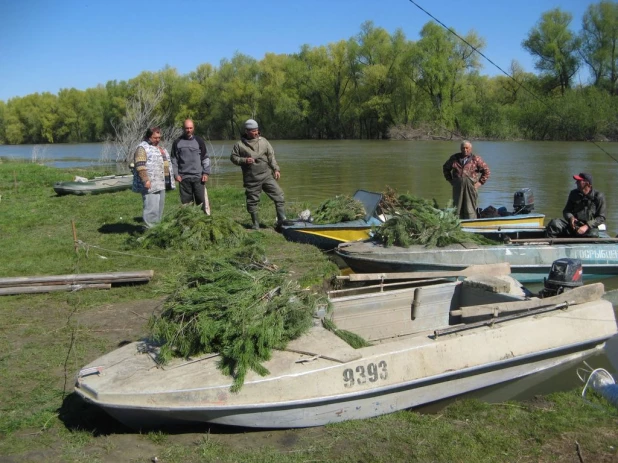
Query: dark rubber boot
point(255, 221)
point(280, 217)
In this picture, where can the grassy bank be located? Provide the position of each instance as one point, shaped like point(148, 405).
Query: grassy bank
point(45, 339)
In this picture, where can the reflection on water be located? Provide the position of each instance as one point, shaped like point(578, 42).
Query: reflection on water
point(313, 171)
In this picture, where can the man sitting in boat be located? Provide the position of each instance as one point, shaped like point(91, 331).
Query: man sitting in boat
point(466, 172)
point(584, 211)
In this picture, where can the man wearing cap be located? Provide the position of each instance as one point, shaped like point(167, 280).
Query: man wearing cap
point(192, 166)
point(466, 172)
point(260, 172)
point(584, 211)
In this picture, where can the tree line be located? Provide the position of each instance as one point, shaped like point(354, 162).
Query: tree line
point(373, 85)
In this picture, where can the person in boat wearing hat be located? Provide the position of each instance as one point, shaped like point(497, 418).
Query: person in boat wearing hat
point(585, 210)
point(260, 172)
point(466, 172)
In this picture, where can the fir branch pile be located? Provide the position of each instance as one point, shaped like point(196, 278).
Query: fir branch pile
point(420, 221)
point(236, 306)
point(190, 228)
point(341, 208)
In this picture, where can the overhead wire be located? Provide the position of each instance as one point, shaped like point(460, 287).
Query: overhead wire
point(520, 84)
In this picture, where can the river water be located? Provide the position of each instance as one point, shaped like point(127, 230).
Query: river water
point(313, 171)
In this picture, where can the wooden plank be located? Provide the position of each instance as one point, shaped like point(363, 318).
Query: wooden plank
point(514, 316)
point(564, 240)
point(335, 293)
point(142, 275)
point(88, 282)
point(49, 289)
point(503, 268)
point(574, 296)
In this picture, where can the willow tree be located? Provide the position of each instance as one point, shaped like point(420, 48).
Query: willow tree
point(236, 84)
point(555, 47)
point(377, 75)
point(599, 38)
point(443, 62)
point(281, 112)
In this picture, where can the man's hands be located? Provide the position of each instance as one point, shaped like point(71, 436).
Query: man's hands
point(579, 229)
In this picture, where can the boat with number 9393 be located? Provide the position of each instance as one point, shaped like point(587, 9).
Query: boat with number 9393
point(430, 338)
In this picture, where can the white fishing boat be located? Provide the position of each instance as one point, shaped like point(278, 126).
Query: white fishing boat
point(430, 340)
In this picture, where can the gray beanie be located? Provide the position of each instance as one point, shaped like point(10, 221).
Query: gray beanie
point(251, 124)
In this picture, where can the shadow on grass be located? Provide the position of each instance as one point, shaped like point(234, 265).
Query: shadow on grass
point(120, 228)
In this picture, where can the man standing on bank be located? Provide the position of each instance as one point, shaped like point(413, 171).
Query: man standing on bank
point(585, 210)
point(466, 172)
point(260, 172)
point(191, 165)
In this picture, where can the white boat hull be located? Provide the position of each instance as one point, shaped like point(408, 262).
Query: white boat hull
point(354, 407)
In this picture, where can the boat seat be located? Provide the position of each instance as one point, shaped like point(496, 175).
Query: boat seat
point(396, 313)
point(370, 201)
point(488, 289)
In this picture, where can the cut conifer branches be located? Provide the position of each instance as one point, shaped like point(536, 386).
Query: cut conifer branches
point(341, 208)
point(420, 221)
point(190, 228)
point(236, 307)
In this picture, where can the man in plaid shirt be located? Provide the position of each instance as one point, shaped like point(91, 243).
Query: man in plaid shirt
point(466, 172)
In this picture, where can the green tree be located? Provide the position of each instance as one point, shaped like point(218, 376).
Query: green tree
point(555, 47)
point(443, 62)
point(600, 43)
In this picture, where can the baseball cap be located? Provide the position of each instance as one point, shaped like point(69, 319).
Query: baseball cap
point(583, 176)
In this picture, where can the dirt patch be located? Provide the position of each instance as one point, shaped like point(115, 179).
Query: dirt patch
point(117, 323)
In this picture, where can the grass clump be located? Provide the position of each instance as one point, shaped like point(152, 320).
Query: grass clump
point(420, 221)
point(237, 306)
point(341, 208)
point(190, 228)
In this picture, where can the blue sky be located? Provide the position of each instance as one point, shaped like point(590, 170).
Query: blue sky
point(48, 45)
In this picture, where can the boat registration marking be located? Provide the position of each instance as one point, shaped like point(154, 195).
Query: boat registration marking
point(361, 374)
point(598, 254)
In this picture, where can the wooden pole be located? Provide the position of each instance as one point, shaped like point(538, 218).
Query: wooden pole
point(48, 289)
point(15, 180)
point(573, 240)
point(75, 245)
point(84, 278)
point(503, 268)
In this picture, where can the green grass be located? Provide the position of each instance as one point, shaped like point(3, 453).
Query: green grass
point(46, 338)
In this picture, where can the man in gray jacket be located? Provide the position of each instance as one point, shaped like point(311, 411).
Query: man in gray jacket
point(191, 166)
point(260, 172)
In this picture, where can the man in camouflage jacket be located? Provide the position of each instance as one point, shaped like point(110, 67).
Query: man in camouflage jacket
point(466, 172)
point(260, 172)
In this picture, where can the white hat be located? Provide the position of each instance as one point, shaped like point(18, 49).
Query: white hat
point(251, 124)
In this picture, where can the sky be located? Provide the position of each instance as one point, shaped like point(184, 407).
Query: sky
point(48, 45)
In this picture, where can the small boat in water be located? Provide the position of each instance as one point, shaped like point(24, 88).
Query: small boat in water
point(530, 259)
point(96, 185)
point(430, 340)
point(523, 223)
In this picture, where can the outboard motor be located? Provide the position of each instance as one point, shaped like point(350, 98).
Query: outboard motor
point(523, 201)
point(565, 274)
